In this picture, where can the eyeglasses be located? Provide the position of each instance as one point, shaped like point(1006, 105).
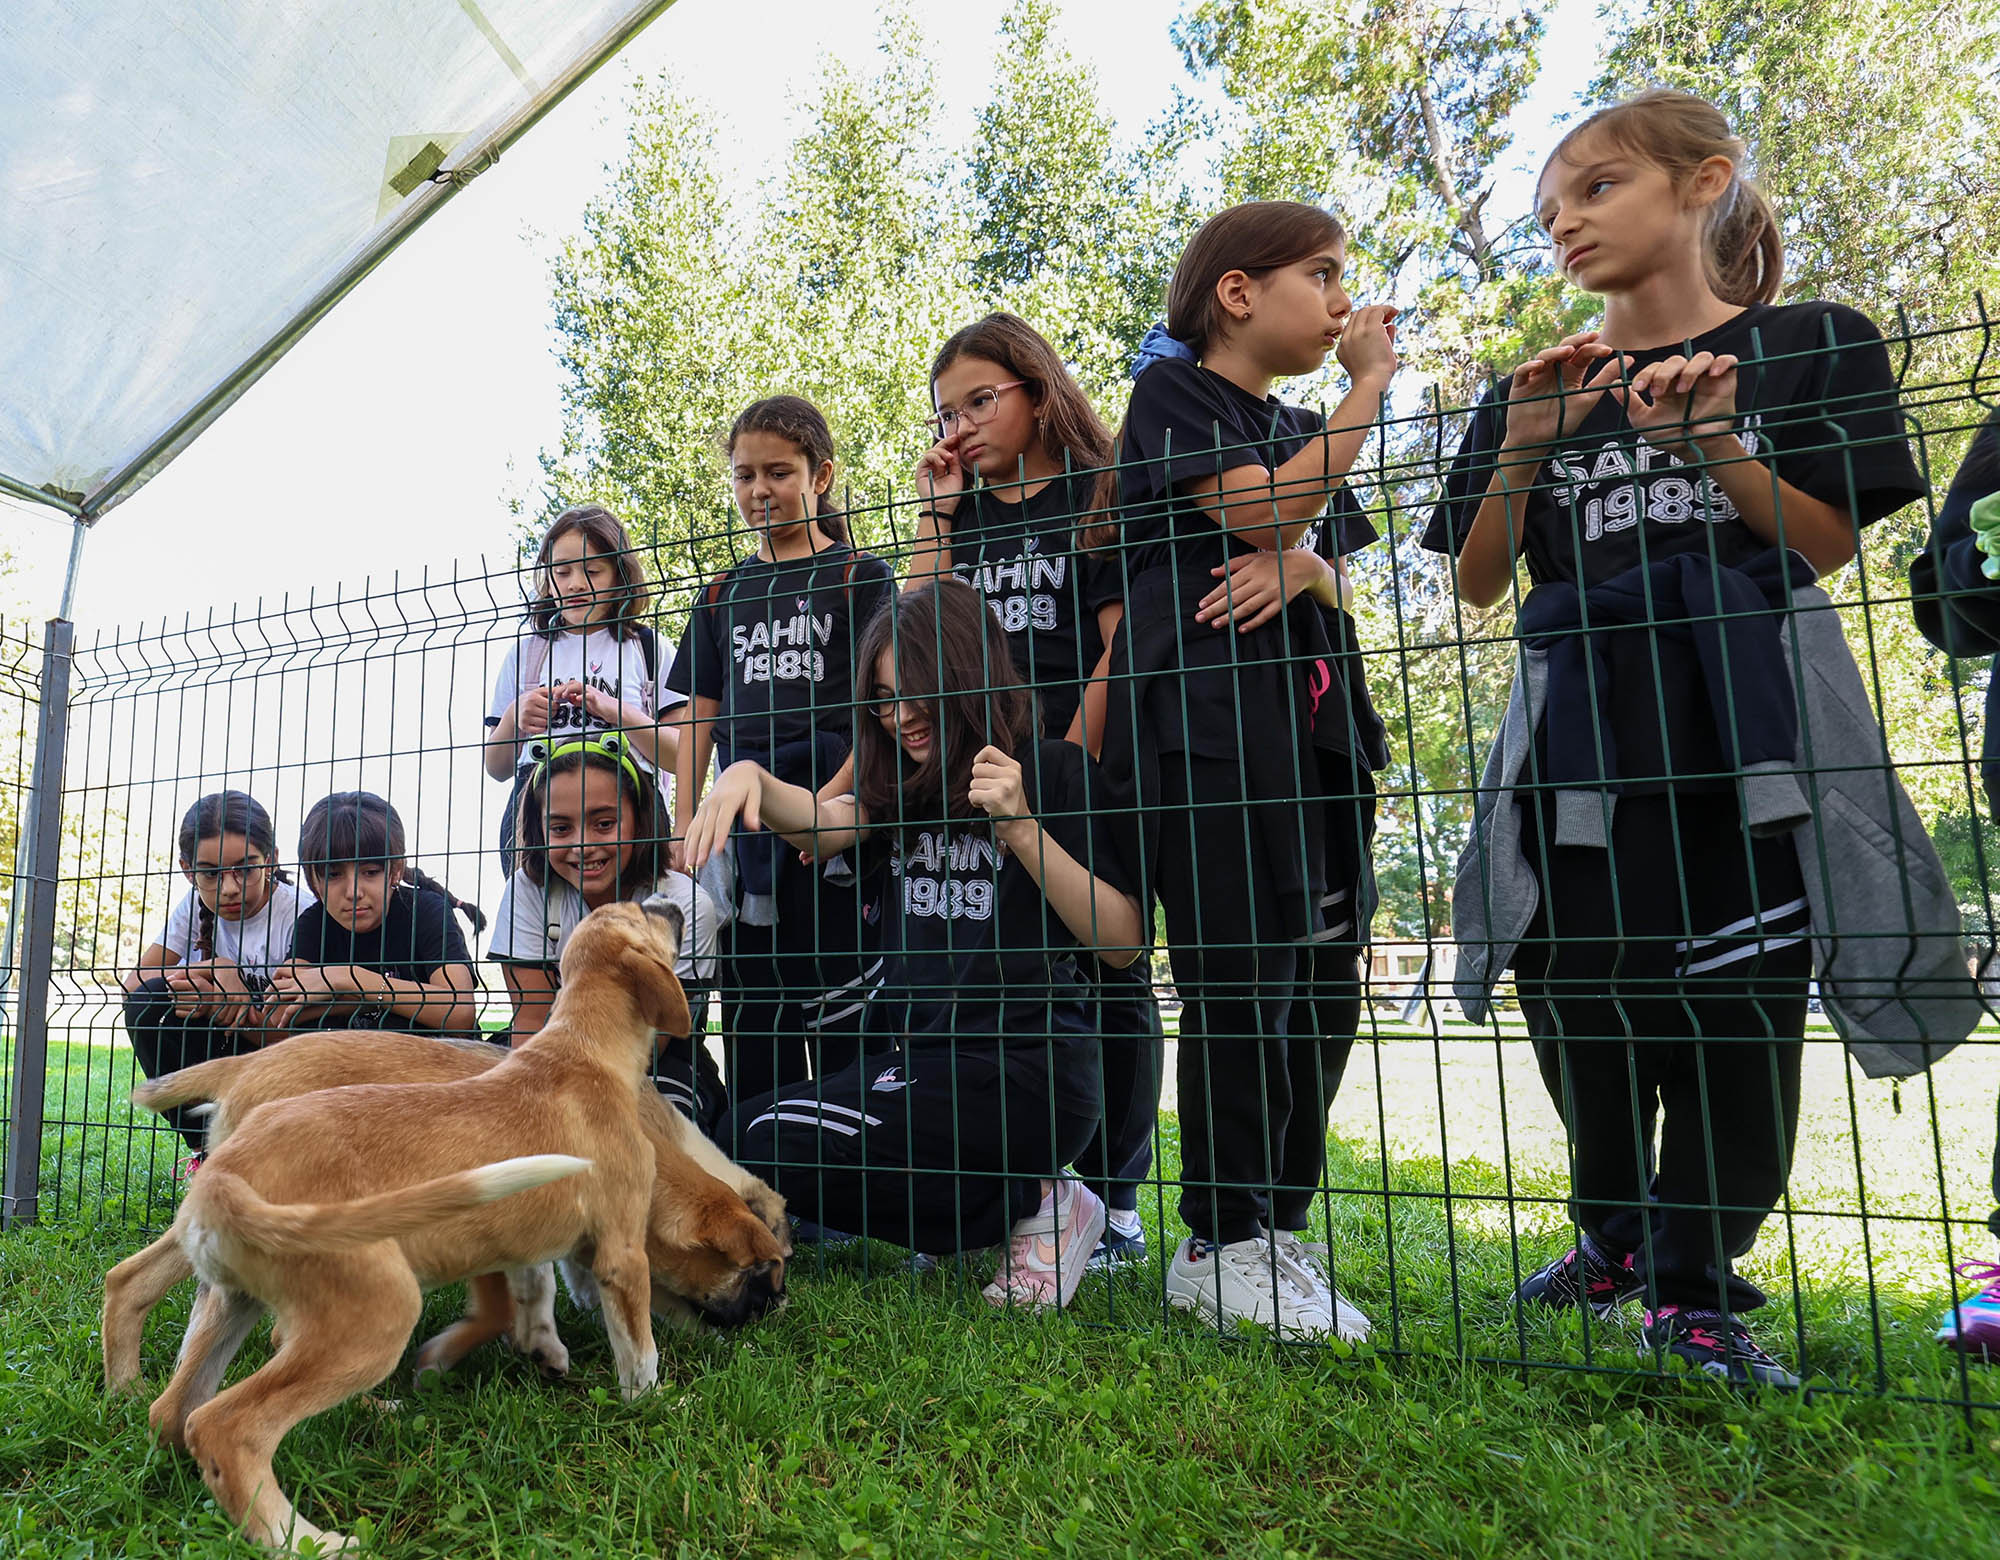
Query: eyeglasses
point(211, 877)
point(976, 410)
point(884, 702)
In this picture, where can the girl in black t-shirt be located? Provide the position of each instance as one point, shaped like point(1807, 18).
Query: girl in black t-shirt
point(768, 661)
point(380, 950)
point(1229, 707)
point(1704, 446)
point(1004, 879)
point(1003, 498)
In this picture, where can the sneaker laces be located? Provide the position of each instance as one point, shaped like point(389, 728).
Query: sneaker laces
point(1986, 1274)
point(1264, 1271)
point(185, 1169)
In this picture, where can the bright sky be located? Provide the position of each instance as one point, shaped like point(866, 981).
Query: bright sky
point(393, 435)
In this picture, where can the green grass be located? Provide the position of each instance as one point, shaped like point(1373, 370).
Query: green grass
point(884, 1414)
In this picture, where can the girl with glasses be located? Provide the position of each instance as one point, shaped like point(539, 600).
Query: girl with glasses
point(223, 939)
point(1005, 881)
point(1003, 498)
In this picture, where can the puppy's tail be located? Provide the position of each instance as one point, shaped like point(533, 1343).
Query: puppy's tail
point(287, 1228)
point(204, 1081)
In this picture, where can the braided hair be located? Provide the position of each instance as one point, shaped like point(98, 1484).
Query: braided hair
point(214, 815)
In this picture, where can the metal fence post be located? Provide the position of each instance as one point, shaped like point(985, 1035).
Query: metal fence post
point(41, 830)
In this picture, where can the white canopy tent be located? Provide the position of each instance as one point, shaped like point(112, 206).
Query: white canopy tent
point(188, 186)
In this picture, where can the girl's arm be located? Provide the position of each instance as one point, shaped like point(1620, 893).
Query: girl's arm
point(1271, 509)
point(1098, 916)
point(940, 480)
point(656, 741)
point(443, 1001)
point(526, 717)
point(693, 750)
point(1553, 391)
point(532, 990)
point(1086, 729)
point(157, 956)
point(1695, 398)
point(761, 800)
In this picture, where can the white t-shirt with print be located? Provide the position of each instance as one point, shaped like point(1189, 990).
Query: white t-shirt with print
point(600, 659)
point(536, 921)
point(256, 945)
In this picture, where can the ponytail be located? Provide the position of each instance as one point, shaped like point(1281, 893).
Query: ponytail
point(1743, 251)
point(416, 877)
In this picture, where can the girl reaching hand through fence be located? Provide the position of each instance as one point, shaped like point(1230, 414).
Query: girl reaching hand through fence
point(1003, 497)
point(381, 949)
point(588, 663)
point(768, 662)
point(1649, 840)
point(201, 985)
point(594, 831)
point(1004, 878)
point(1230, 702)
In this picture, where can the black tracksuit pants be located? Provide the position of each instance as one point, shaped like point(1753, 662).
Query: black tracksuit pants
point(921, 1149)
point(165, 1042)
point(1120, 1152)
point(1664, 982)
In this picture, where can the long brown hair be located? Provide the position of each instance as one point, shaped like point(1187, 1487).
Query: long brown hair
point(1257, 237)
point(1743, 251)
point(802, 425)
point(359, 826)
point(950, 652)
point(1072, 433)
point(603, 534)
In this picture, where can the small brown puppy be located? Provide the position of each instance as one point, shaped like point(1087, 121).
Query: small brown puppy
point(338, 1209)
point(729, 1272)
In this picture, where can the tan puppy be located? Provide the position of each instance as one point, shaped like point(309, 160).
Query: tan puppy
point(717, 1260)
point(338, 1209)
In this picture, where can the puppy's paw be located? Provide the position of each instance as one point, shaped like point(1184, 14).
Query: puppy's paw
point(542, 1345)
point(769, 1209)
point(645, 1376)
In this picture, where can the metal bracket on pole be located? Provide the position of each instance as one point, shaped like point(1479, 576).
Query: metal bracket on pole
point(41, 834)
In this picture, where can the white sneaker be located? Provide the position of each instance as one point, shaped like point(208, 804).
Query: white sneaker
point(1243, 1282)
point(1314, 1266)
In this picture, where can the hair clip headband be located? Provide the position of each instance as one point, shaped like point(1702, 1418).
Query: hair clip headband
point(601, 746)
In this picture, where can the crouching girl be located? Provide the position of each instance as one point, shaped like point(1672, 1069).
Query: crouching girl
point(1003, 881)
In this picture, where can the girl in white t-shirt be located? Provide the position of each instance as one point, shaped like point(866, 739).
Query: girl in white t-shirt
point(593, 830)
point(588, 664)
point(198, 991)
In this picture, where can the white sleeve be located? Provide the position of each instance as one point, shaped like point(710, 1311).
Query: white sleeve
point(178, 939)
point(504, 692)
point(520, 925)
point(700, 924)
point(665, 698)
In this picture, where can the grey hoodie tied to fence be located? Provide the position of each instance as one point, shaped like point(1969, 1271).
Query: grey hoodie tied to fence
point(1887, 946)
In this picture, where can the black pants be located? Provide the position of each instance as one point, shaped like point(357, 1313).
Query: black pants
point(1120, 1152)
point(685, 1072)
point(1664, 982)
point(1235, 968)
point(165, 1042)
point(932, 1152)
point(794, 995)
point(1326, 1012)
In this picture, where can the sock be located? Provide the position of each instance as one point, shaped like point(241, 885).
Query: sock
point(1123, 1221)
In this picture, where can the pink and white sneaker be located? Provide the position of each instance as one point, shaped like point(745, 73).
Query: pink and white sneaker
point(1973, 1324)
point(1049, 1251)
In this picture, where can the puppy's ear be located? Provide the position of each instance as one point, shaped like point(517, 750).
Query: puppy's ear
point(661, 1000)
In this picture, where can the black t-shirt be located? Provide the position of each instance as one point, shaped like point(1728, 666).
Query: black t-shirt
point(417, 937)
point(1186, 423)
point(1023, 557)
point(773, 644)
point(976, 955)
point(1816, 401)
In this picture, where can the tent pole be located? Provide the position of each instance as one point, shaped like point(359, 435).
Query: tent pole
point(79, 529)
